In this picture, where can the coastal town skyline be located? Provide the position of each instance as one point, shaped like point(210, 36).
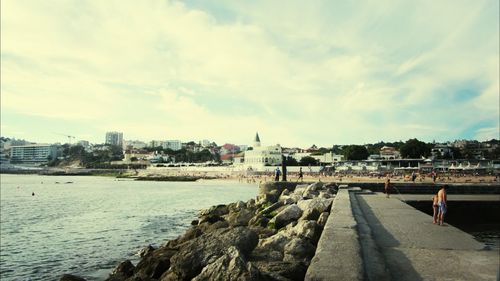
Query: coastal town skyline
point(342, 74)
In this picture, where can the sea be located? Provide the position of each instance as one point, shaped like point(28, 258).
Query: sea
point(86, 225)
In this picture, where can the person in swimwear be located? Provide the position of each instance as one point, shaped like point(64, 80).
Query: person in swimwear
point(435, 209)
point(387, 185)
point(442, 204)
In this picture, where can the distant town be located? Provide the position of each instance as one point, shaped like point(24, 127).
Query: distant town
point(115, 152)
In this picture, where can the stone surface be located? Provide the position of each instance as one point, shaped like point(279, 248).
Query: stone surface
point(200, 252)
point(299, 249)
point(218, 210)
point(286, 216)
point(230, 266)
point(323, 218)
point(240, 218)
point(307, 229)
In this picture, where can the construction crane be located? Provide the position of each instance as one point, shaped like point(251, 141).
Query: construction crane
point(68, 136)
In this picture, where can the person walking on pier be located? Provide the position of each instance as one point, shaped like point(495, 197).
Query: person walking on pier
point(387, 185)
point(442, 204)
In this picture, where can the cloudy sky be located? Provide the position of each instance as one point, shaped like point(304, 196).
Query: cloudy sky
point(298, 72)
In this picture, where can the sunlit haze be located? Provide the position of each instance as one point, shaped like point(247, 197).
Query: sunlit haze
point(299, 73)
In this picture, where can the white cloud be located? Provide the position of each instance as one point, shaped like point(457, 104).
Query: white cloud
point(323, 73)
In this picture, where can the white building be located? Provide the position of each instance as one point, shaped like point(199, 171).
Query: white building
point(33, 153)
point(135, 144)
point(205, 143)
point(328, 158)
point(389, 153)
point(114, 138)
point(263, 155)
point(441, 150)
point(172, 144)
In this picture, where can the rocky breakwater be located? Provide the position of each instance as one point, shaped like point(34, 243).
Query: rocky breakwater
point(271, 238)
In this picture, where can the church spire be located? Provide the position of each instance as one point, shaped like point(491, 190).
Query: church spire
point(257, 140)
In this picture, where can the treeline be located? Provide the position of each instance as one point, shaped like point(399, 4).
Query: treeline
point(101, 155)
point(412, 148)
point(185, 155)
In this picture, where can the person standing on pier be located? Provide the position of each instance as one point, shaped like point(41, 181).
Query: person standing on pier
point(435, 209)
point(442, 204)
point(387, 185)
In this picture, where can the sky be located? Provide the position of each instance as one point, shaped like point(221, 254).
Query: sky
point(298, 72)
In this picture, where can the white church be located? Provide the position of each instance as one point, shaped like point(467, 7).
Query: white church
point(262, 155)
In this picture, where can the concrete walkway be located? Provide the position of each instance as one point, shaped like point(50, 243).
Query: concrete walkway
point(394, 241)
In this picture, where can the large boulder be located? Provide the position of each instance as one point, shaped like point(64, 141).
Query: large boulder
point(299, 189)
point(307, 229)
point(323, 218)
point(312, 208)
point(210, 219)
point(272, 208)
point(299, 249)
point(240, 218)
point(218, 210)
point(154, 264)
point(235, 207)
point(286, 216)
point(230, 266)
point(276, 242)
point(209, 227)
point(190, 234)
point(198, 253)
point(258, 220)
point(123, 271)
point(282, 270)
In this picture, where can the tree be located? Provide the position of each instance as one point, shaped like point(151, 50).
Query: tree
point(308, 160)
point(355, 152)
point(413, 148)
point(290, 161)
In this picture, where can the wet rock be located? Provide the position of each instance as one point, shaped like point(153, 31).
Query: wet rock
point(210, 219)
point(146, 250)
point(190, 234)
point(299, 249)
point(121, 272)
point(230, 266)
point(155, 264)
point(218, 210)
point(323, 218)
point(70, 277)
point(200, 252)
point(286, 216)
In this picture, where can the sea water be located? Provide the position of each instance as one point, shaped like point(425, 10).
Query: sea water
point(86, 225)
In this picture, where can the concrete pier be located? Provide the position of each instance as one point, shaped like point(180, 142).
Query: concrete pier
point(371, 237)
